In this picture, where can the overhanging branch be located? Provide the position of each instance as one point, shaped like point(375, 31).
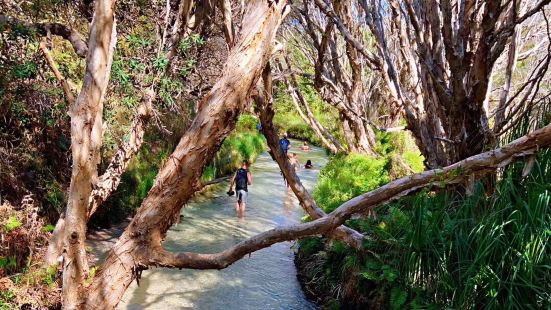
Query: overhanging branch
point(477, 165)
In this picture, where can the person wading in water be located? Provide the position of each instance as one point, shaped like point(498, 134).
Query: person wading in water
point(285, 143)
point(242, 178)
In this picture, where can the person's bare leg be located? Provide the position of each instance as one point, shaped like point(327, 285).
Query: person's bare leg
point(241, 210)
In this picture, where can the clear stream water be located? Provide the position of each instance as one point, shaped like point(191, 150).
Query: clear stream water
point(265, 280)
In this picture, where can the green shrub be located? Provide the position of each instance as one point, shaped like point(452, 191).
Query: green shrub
point(8, 262)
point(48, 228)
point(244, 143)
point(447, 250)
point(347, 176)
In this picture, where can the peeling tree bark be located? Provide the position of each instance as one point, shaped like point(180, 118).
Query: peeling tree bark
point(86, 140)
point(229, 29)
point(179, 178)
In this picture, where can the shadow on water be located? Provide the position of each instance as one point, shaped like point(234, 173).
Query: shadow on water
point(265, 280)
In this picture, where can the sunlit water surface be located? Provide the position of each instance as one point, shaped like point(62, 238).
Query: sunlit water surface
point(265, 280)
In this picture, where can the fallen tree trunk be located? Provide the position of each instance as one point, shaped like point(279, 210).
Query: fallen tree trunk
point(460, 172)
point(179, 178)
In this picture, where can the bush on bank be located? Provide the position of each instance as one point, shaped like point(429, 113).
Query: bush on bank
point(244, 143)
point(436, 249)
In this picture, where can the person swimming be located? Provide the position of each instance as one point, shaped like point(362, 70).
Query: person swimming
point(304, 147)
point(308, 165)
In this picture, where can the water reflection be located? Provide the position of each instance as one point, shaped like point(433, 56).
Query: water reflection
point(265, 280)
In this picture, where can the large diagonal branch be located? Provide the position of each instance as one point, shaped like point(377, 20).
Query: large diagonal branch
point(179, 177)
point(477, 165)
point(264, 102)
point(71, 35)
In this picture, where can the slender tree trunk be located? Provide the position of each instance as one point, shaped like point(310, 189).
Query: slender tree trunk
point(348, 134)
point(86, 140)
point(179, 178)
point(309, 118)
point(509, 70)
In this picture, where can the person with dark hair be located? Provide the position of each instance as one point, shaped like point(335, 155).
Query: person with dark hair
point(308, 165)
point(242, 179)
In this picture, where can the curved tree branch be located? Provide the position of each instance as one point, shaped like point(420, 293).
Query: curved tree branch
point(71, 35)
point(459, 172)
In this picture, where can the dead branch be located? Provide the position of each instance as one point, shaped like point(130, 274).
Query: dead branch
point(51, 63)
point(42, 29)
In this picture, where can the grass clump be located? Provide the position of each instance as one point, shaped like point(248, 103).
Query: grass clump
point(12, 224)
point(347, 176)
point(447, 250)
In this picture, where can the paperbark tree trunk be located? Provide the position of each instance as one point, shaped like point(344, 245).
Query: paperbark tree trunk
point(179, 178)
point(86, 140)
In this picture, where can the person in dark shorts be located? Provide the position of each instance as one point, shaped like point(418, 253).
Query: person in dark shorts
point(242, 178)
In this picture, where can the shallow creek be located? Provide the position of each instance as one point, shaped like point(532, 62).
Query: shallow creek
point(265, 280)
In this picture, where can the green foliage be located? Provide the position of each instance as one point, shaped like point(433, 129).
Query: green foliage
point(160, 62)
point(48, 228)
point(8, 262)
point(55, 196)
point(12, 224)
point(6, 299)
point(288, 120)
point(447, 250)
point(189, 42)
point(26, 70)
point(135, 184)
point(244, 143)
point(347, 176)
point(140, 177)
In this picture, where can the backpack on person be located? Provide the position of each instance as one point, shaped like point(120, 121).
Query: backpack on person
point(241, 179)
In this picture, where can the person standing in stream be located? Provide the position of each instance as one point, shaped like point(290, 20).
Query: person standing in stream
point(285, 143)
point(242, 178)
